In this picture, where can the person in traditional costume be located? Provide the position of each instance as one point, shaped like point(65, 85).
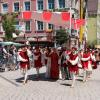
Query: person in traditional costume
point(24, 62)
point(54, 69)
point(37, 60)
point(86, 64)
point(73, 65)
point(47, 62)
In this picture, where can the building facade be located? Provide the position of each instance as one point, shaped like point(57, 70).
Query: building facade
point(34, 30)
point(93, 35)
point(98, 23)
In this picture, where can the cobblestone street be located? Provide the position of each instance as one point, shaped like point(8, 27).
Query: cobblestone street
point(11, 87)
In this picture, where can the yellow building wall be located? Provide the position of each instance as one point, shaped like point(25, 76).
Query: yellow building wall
point(92, 30)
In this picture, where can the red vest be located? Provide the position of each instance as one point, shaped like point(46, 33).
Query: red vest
point(73, 68)
point(85, 63)
point(24, 56)
point(37, 62)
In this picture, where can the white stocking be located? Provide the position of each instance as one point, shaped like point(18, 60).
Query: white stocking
point(37, 69)
point(26, 76)
point(84, 76)
point(73, 79)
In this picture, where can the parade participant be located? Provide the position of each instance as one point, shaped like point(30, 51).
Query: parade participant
point(73, 65)
point(47, 62)
point(86, 64)
point(37, 60)
point(29, 53)
point(24, 62)
point(54, 70)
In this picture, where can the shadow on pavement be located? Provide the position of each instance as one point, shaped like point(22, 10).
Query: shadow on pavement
point(81, 80)
point(34, 78)
point(66, 84)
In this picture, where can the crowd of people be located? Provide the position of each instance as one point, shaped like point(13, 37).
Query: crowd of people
point(61, 63)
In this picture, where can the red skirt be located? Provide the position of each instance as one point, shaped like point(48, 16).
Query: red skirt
point(94, 64)
point(25, 65)
point(73, 68)
point(54, 72)
point(37, 64)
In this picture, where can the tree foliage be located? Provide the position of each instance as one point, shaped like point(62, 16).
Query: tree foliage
point(8, 22)
point(61, 36)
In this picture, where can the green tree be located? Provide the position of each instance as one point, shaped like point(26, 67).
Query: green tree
point(61, 36)
point(8, 22)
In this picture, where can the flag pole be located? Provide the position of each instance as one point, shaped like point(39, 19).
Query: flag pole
point(70, 27)
point(81, 17)
point(77, 34)
point(70, 21)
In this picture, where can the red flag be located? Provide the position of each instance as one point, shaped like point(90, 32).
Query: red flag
point(27, 15)
point(47, 15)
point(78, 23)
point(65, 16)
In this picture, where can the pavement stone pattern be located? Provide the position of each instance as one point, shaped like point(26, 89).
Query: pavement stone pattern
point(11, 87)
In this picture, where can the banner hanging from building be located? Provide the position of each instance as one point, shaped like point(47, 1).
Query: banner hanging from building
point(78, 23)
point(27, 15)
point(65, 16)
point(47, 15)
